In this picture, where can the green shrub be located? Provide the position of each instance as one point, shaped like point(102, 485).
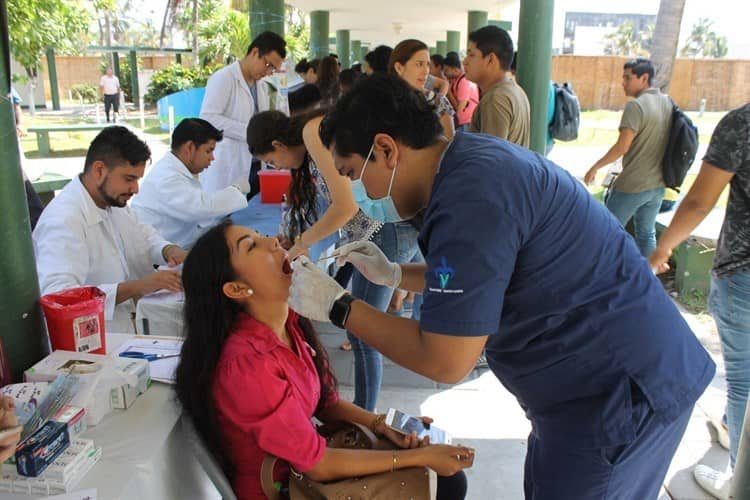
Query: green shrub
point(175, 78)
point(89, 92)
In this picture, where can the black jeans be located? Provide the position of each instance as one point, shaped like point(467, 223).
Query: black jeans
point(111, 101)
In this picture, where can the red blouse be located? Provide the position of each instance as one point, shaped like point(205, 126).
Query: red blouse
point(265, 395)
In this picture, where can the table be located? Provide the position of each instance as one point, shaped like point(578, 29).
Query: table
point(42, 133)
point(144, 452)
point(46, 185)
point(161, 314)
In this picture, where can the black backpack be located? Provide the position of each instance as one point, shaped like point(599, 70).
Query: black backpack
point(567, 116)
point(681, 149)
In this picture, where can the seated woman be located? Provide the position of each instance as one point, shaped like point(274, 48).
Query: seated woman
point(253, 374)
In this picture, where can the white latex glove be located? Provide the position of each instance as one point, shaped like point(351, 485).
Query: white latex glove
point(242, 184)
point(371, 262)
point(313, 292)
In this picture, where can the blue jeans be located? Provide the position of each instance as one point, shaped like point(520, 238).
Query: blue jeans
point(643, 207)
point(729, 303)
point(399, 243)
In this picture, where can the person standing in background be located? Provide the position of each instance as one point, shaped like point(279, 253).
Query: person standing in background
point(109, 84)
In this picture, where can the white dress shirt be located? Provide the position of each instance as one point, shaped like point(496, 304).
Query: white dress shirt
point(79, 244)
point(172, 200)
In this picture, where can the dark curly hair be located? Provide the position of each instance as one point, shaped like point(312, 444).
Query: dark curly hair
point(380, 104)
point(269, 126)
point(209, 316)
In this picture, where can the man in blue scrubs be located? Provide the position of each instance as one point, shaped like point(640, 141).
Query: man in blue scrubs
point(521, 261)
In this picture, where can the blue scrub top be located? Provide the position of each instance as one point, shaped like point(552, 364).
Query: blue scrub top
point(518, 250)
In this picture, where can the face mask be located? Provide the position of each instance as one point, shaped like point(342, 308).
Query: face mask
point(381, 209)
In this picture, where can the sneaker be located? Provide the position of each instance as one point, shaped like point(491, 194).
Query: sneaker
point(722, 433)
point(714, 482)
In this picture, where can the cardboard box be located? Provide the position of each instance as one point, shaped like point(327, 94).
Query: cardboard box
point(39, 450)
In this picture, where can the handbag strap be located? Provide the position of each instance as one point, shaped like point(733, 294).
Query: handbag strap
point(266, 478)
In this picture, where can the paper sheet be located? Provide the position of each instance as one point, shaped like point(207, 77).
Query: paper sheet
point(162, 370)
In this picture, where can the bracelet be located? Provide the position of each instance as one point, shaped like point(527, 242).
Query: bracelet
point(395, 461)
point(375, 423)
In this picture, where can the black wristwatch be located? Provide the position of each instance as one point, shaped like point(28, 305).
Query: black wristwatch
point(340, 310)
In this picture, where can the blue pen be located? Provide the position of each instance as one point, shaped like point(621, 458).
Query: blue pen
point(147, 357)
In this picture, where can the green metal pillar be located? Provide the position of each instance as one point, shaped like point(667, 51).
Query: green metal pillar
point(53, 86)
point(433, 51)
point(477, 19)
point(363, 52)
point(535, 63)
point(343, 48)
point(116, 65)
point(134, 76)
point(356, 51)
point(178, 58)
point(319, 29)
point(506, 25)
point(454, 41)
point(441, 47)
point(266, 15)
point(21, 325)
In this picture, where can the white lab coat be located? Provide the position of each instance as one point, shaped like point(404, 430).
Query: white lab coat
point(79, 244)
point(229, 106)
point(172, 200)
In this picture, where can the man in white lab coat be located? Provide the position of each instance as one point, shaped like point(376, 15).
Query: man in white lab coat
point(172, 200)
point(88, 236)
point(233, 95)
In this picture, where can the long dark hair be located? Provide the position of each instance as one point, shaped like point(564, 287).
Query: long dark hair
point(328, 80)
point(269, 126)
point(209, 316)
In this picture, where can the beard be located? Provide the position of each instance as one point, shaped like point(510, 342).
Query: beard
point(111, 201)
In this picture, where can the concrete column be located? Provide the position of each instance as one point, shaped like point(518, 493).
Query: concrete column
point(116, 65)
point(477, 19)
point(134, 76)
point(441, 47)
point(535, 63)
point(22, 329)
point(454, 41)
point(343, 48)
point(356, 52)
point(433, 51)
point(506, 25)
point(363, 52)
point(266, 15)
point(319, 28)
point(53, 86)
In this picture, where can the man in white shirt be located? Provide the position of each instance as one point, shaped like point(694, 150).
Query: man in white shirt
point(232, 97)
point(88, 236)
point(110, 87)
point(172, 200)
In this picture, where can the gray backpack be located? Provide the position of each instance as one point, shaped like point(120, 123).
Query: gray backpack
point(567, 116)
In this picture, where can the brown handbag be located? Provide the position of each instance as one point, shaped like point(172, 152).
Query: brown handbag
point(414, 483)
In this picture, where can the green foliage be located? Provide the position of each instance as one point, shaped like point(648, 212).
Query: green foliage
point(297, 34)
point(35, 25)
point(627, 42)
point(175, 78)
point(704, 42)
point(88, 91)
point(223, 34)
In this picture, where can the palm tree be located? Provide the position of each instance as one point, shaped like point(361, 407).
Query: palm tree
point(666, 36)
point(704, 42)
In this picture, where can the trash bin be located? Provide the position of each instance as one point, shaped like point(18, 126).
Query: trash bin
point(75, 319)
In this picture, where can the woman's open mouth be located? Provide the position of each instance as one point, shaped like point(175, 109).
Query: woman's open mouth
point(286, 266)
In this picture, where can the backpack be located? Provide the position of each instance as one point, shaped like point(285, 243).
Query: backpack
point(567, 116)
point(681, 149)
